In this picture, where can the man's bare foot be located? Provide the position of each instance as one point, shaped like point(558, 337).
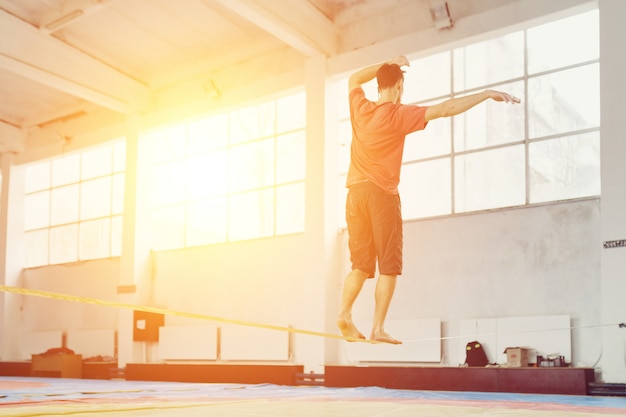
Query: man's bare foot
point(348, 329)
point(385, 338)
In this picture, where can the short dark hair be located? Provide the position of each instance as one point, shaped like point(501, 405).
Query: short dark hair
point(388, 74)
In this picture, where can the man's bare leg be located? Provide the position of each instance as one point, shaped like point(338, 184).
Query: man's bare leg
point(351, 289)
point(385, 288)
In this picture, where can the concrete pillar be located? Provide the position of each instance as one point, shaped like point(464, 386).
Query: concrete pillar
point(613, 201)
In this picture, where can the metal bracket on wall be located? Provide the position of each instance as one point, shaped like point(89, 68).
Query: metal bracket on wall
point(609, 244)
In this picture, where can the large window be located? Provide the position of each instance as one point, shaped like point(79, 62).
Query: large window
point(230, 177)
point(497, 155)
point(73, 206)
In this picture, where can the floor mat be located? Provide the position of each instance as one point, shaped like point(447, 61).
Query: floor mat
point(22, 397)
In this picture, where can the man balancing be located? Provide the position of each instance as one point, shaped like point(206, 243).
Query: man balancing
point(373, 212)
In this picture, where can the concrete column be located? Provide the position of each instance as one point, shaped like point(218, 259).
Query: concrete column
point(11, 255)
point(136, 263)
point(613, 201)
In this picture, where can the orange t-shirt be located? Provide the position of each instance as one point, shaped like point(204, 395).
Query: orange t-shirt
point(378, 134)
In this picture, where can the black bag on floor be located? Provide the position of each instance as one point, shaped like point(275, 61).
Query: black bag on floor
point(475, 354)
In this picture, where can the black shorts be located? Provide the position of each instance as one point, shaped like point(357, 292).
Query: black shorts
point(374, 220)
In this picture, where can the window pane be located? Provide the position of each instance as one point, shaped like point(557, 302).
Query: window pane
point(491, 123)
point(291, 112)
point(345, 141)
point(70, 198)
point(169, 183)
point(208, 175)
point(208, 134)
point(64, 244)
point(36, 243)
point(169, 143)
point(567, 167)
point(38, 177)
point(251, 215)
point(252, 165)
point(371, 92)
point(427, 78)
point(64, 205)
point(512, 138)
point(232, 163)
point(119, 156)
point(95, 198)
point(116, 235)
point(37, 210)
point(97, 162)
point(564, 102)
point(433, 141)
point(66, 170)
point(565, 42)
point(489, 62)
point(118, 193)
point(340, 95)
point(252, 123)
point(168, 228)
point(207, 222)
point(426, 189)
point(341, 201)
point(94, 239)
point(490, 179)
point(290, 209)
point(290, 157)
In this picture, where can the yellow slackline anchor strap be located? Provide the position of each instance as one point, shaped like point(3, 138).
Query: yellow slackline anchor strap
point(157, 310)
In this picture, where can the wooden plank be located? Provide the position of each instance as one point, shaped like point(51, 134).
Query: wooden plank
point(214, 373)
point(564, 381)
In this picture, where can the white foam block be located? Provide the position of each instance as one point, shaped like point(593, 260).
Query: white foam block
point(188, 342)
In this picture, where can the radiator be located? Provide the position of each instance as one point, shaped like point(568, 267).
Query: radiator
point(188, 342)
point(243, 343)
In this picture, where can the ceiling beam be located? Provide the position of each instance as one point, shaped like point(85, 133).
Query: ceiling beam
point(297, 23)
point(32, 54)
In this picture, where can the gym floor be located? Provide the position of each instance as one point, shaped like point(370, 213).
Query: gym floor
point(25, 396)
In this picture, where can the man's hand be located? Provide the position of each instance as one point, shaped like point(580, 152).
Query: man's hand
point(401, 61)
point(500, 96)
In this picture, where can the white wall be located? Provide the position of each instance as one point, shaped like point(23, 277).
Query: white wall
point(534, 261)
point(269, 281)
point(94, 279)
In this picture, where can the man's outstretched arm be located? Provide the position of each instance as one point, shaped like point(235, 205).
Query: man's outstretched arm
point(459, 105)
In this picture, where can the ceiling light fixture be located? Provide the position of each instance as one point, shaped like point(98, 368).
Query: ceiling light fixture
point(440, 13)
point(63, 20)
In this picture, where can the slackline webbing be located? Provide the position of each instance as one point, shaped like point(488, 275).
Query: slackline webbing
point(164, 311)
point(157, 310)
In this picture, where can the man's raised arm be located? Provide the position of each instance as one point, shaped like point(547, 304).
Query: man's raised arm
point(369, 73)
